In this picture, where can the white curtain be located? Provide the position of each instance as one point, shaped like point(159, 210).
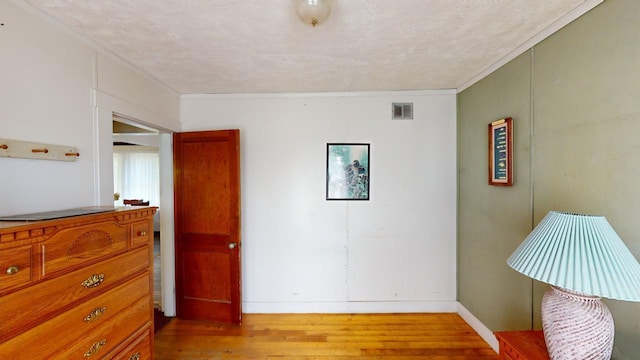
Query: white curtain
point(136, 172)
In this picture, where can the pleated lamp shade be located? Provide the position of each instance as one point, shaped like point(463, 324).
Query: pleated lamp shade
point(581, 253)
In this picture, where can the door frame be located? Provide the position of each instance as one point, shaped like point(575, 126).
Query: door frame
point(104, 108)
point(167, 231)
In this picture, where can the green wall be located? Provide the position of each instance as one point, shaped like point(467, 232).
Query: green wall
point(493, 220)
point(575, 101)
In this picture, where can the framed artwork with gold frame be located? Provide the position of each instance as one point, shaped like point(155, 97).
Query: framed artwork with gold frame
point(501, 152)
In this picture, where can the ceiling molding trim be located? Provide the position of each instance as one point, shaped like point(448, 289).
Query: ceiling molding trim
point(548, 31)
point(322, 94)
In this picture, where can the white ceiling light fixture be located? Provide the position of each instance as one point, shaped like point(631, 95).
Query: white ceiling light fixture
point(312, 12)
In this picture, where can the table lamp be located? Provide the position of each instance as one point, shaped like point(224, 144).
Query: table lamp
point(583, 259)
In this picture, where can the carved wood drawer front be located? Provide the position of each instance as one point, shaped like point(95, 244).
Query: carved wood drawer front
point(78, 245)
point(109, 316)
point(15, 267)
point(48, 297)
point(107, 337)
point(138, 349)
point(141, 233)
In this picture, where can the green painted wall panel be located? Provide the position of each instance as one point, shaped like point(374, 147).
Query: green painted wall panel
point(585, 157)
point(493, 220)
point(587, 133)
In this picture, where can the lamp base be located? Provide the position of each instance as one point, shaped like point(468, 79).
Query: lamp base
point(576, 326)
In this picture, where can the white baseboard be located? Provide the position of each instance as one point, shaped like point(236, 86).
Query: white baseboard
point(485, 333)
point(349, 307)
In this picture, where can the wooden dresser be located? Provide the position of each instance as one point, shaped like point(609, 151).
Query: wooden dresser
point(522, 345)
point(79, 287)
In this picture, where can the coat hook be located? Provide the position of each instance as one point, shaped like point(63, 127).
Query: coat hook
point(32, 150)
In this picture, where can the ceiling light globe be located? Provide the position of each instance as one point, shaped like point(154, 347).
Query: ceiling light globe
point(312, 12)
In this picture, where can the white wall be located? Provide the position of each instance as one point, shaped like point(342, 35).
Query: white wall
point(44, 97)
point(302, 253)
point(55, 88)
point(395, 252)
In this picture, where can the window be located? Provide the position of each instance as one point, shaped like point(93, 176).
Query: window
point(136, 173)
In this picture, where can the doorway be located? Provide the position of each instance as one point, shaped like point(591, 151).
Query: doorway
point(142, 172)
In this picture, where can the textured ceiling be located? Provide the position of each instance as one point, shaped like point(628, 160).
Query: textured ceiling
point(244, 46)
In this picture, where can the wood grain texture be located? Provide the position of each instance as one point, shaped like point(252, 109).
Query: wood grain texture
point(207, 226)
point(325, 336)
point(522, 345)
point(87, 290)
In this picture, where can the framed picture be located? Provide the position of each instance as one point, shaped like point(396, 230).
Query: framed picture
point(348, 171)
point(501, 152)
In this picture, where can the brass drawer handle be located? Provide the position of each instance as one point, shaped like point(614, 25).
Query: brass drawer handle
point(95, 314)
point(95, 347)
point(93, 281)
point(12, 270)
point(135, 356)
point(142, 233)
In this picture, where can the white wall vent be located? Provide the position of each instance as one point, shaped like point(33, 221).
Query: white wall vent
point(402, 111)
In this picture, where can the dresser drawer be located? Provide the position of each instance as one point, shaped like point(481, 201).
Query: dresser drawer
point(48, 298)
point(141, 233)
point(138, 349)
point(15, 267)
point(108, 316)
point(109, 336)
point(79, 245)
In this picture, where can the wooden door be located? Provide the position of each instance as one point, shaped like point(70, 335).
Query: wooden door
point(207, 225)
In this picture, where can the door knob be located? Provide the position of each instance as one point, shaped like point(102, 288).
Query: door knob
point(232, 245)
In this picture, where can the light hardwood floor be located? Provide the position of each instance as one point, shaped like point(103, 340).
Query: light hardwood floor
point(325, 337)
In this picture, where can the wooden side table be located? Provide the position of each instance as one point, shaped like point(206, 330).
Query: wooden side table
point(522, 345)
